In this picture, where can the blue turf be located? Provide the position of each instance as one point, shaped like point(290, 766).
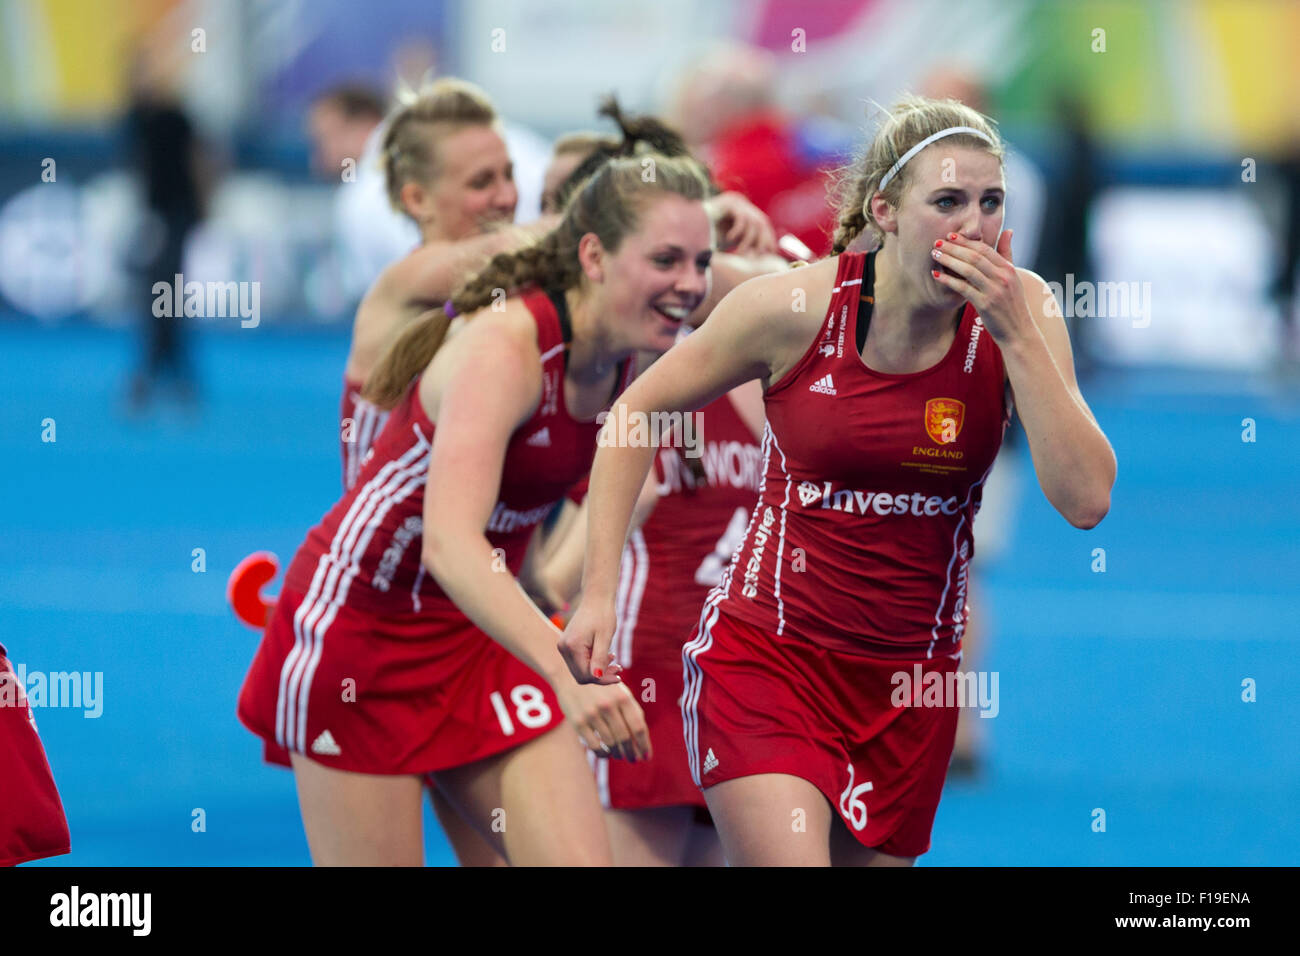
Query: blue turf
point(1119, 691)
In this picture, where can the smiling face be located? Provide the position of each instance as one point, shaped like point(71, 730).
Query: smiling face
point(950, 189)
point(473, 189)
point(660, 273)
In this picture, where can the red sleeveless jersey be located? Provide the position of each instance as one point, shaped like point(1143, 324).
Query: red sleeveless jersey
point(360, 423)
point(861, 538)
point(672, 561)
point(365, 553)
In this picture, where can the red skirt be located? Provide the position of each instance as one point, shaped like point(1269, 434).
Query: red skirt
point(758, 703)
point(408, 694)
point(32, 822)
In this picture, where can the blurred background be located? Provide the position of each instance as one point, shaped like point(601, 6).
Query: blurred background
point(1154, 178)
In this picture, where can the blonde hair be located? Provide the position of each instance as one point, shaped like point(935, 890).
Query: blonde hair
point(445, 106)
point(913, 119)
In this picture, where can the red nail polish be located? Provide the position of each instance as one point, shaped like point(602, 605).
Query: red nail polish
point(938, 243)
point(952, 236)
point(596, 670)
point(935, 273)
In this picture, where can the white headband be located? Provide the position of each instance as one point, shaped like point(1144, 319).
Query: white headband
point(884, 180)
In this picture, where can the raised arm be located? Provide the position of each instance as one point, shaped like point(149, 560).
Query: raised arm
point(430, 274)
point(1072, 458)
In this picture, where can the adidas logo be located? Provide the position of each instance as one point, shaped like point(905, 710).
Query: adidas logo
point(823, 385)
point(710, 761)
point(324, 744)
point(541, 439)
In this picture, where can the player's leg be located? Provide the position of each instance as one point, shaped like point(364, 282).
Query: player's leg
point(771, 819)
point(469, 845)
point(847, 851)
point(359, 819)
point(536, 803)
point(658, 836)
point(703, 848)
point(968, 746)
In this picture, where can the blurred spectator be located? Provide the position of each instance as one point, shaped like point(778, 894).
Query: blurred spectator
point(1283, 288)
point(1023, 213)
point(726, 108)
point(1074, 187)
point(346, 124)
point(165, 153)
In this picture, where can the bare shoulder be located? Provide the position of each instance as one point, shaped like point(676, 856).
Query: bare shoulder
point(497, 350)
point(381, 316)
point(510, 333)
point(782, 305)
point(774, 318)
point(777, 293)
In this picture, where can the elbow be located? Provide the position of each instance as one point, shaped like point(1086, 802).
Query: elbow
point(434, 554)
point(1089, 516)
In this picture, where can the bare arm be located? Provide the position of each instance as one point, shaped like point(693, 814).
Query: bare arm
point(474, 425)
point(749, 334)
point(430, 274)
point(729, 271)
point(559, 574)
point(1075, 464)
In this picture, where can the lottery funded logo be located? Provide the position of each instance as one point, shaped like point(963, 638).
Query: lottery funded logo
point(943, 419)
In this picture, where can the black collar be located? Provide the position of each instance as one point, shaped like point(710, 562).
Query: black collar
point(566, 323)
point(866, 299)
point(561, 305)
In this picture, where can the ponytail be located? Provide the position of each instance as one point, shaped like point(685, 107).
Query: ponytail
point(406, 357)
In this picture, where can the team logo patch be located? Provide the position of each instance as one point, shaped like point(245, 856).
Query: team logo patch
point(943, 419)
point(809, 492)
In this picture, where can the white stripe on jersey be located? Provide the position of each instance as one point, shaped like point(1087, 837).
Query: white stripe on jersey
point(780, 548)
point(418, 475)
point(692, 676)
point(416, 604)
point(948, 575)
point(398, 476)
point(368, 421)
point(636, 563)
point(291, 665)
point(626, 572)
point(322, 596)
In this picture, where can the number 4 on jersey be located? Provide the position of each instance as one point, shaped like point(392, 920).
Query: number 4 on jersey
point(709, 573)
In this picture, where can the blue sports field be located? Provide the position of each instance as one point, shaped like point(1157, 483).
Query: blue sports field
point(1119, 690)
